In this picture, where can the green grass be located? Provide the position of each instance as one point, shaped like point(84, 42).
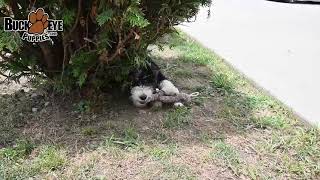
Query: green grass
point(276, 122)
point(48, 159)
point(89, 131)
point(178, 172)
point(295, 146)
point(227, 154)
point(22, 149)
point(171, 143)
point(83, 106)
point(183, 73)
point(242, 101)
point(208, 139)
point(128, 140)
point(83, 170)
point(296, 151)
point(222, 82)
point(163, 151)
point(178, 117)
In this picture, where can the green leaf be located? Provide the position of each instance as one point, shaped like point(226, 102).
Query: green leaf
point(68, 17)
point(104, 17)
point(9, 41)
point(136, 17)
point(82, 79)
point(81, 64)
point(2, 3)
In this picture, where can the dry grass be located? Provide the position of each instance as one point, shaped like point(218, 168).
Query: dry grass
point(231, 131)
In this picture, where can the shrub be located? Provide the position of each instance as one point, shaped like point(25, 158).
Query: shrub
point(101, 42)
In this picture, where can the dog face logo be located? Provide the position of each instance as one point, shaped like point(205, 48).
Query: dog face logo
point(39, 21)
point(38, 27)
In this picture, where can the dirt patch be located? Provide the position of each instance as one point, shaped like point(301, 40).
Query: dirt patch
point(10, 87)
point(212, 138)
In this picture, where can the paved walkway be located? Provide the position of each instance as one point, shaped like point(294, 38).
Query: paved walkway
point(277, 45)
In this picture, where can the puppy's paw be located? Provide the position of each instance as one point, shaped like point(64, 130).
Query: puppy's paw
point(178, 104)
point(157, 104)
point(168, 88)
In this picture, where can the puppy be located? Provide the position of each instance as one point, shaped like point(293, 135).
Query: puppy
point(145, 81)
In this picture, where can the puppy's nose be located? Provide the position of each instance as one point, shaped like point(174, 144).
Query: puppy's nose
point(143, 97)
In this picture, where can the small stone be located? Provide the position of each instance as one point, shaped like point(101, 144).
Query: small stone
point(27, 90)
point(34, 109)
point(157, 104)
point(116, 114)
point(43, 111)
point(142, 112)
point(46, 104)
point(8, 55)
point(33, 95)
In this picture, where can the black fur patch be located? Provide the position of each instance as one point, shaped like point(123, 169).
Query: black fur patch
point(149, 75)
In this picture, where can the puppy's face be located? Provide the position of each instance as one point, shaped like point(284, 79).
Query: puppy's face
point(141, 95)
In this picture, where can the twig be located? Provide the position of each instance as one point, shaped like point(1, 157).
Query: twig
point(89, 40)
point(65, 56)
point(87, 25)
point(96, 70)
point(2, 74)
point(15, 9)
point(67, 36)
point(2, 14)
point(76, 22)
point(6, 10)
point(33, 2)
point(118, 50)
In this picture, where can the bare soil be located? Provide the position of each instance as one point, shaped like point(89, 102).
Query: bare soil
point(64, 121)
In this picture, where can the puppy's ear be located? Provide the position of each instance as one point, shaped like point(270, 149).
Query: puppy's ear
point(158, 77)
point(156, 72)
point(135, 77)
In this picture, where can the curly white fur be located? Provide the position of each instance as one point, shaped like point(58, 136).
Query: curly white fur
point(141, 95)
point(168, 88)
point(178, 104)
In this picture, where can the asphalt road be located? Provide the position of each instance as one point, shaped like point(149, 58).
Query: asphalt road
point(277, 45)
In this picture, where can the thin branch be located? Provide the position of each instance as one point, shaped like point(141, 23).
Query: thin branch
point(65, 56)
point(78, 50)
point(15, 8)
point(2, 74)
point(5, 59)
point(77, 20)
point(66, 37)
point(31, 4)
point(91, 41)
point(2, 14)
point(120, 45)
point(6, 10)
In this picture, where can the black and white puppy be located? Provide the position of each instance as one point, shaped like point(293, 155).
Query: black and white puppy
point(146, 80)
